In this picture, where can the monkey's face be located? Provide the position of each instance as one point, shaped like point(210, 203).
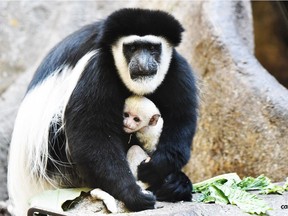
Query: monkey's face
point(132, 123)
point(142, 62)
point(143, 58)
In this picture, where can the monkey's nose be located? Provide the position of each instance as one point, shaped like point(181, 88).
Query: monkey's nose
point(143, 68)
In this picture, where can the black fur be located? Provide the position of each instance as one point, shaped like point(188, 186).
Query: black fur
point(140, 22)
point(176, 186)
point(67, 52)
point(93, 116)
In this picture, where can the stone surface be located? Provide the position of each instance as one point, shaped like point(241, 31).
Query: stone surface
point(279, 204)
point(244, 110)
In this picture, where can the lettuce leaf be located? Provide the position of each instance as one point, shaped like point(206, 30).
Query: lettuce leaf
point(250, 183)
point(273, 189)
point(215, 195)
point(247, 202)
point(229, 189)
point(261, 183)
point(221, 179)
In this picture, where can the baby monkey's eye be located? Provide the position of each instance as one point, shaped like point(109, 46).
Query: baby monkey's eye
point(136, 119)
point(126, 115)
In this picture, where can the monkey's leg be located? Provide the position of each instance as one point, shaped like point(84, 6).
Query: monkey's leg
point(135, 156)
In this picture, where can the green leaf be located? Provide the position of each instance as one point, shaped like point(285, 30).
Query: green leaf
point(204, 197)
point(229, 189)
point(250, 183)
point(218, 195)
point(209, 199)
point(262, 183)
point(230, 177)
point(247, 202)
point(273, 189)
point(54, 199)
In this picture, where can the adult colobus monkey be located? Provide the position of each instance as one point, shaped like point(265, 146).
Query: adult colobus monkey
point(69, 128)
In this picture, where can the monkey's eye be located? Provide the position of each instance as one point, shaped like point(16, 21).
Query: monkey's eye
point(126, 115)
point(152, 48)
point(129, 48)
point(133, 48)
point(136, 119)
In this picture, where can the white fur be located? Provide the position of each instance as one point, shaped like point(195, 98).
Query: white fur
point(29, 146)
point(148, 85)
point(149, 135)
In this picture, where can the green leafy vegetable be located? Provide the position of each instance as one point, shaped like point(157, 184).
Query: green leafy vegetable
point(216, 195)
point(273, 189)
point(250, 183)
point(230, 177)
point(247, 202)
point(229, 189)
point(261, 183)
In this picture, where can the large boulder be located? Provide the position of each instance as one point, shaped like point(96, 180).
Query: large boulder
point(244, 110)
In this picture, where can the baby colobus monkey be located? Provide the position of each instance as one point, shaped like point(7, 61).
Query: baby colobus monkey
point(142, 117)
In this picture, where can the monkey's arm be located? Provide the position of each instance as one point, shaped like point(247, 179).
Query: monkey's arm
point(177, 101)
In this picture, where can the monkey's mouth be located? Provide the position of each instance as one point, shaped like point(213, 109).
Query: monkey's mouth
point(141, 76)
point(142, 71)
point(128, 130)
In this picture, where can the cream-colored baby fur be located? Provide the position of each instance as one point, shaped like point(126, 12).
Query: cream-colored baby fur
point(149, 135)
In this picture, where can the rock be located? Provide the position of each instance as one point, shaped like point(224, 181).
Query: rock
point(244, 110)
point(277, 202)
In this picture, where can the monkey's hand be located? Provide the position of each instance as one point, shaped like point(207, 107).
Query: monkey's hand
point(147, 172)
point(107, 199)
point(141, 199)
point(172, 187)
point(176, 187)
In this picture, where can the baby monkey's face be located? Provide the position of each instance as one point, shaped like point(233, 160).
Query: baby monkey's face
point(139, 114)
point(133, 122)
